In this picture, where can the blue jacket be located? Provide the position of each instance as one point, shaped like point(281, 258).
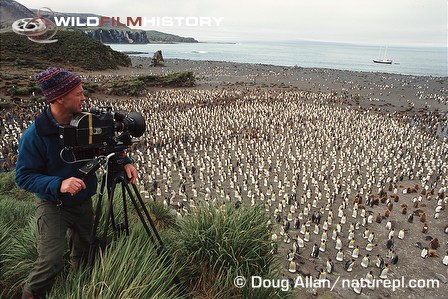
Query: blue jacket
point(40, 169)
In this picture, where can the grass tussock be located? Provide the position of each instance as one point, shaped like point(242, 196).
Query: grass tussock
point(221, 244)
point(17, 256)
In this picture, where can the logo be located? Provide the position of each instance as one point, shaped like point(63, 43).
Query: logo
point(139, 21)
point(38, 29)
point(41, 29)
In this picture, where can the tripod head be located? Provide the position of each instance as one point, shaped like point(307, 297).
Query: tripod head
point(115, 163)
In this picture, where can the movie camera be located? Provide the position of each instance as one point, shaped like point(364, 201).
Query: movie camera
point(101, 131)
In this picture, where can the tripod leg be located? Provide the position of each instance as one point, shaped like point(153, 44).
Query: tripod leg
point(161, 248)
point(110, 212)
point(94, 241)
point(145, 210)
point(140, 215)
point(125, 226)
point(97, 242)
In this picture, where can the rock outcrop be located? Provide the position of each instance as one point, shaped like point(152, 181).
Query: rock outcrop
point(157, 59)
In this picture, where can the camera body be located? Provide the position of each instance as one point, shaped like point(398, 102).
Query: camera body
point(98, 129)
point(88, 129)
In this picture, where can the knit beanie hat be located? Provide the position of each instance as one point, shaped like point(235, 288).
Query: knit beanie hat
point(56, 82)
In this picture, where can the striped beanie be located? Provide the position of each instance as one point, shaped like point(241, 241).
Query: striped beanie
point(56, 82)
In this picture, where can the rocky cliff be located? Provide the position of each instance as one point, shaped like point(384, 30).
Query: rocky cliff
point(128, 36)
point(114, 36)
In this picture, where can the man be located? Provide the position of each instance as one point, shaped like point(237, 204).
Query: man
point(64, 199)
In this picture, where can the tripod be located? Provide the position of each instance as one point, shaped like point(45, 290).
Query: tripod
point(113, 177)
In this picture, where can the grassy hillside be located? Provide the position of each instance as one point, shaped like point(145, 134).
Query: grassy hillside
point(157, 36)
point(207, 251)
point(73, 48)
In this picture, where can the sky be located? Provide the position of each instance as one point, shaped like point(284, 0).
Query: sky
point(391, 22)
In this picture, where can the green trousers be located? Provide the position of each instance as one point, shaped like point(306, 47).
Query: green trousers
point(53, 223)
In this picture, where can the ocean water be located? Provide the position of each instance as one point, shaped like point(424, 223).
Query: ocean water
point(427, 61)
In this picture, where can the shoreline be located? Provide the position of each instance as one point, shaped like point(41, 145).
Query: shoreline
point(414, 60)
point(386, 91)
point(135, 55)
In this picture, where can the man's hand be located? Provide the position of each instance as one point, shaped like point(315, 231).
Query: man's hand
point(131, 173)
point(72, 185)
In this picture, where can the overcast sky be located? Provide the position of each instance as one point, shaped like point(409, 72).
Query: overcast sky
point(392, 22)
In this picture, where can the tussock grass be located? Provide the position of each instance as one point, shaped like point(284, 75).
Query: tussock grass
point(129, 268)
point(161, 216)
point(17, 255)
point(17, 235)
point(206, 250)
point(16, 213)
point(221, 244)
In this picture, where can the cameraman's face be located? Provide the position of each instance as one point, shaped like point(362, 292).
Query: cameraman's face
point(73, 101)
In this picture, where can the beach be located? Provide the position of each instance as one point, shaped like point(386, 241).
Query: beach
point(376, 90)
point(300, 141)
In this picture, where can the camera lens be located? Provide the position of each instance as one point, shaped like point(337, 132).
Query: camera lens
point(135, 124)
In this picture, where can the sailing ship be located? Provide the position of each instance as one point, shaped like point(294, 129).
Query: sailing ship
point(383, 60)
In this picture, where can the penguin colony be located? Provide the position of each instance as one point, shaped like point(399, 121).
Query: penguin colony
point(344, 187)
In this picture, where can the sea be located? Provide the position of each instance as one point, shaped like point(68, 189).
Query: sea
point(408, 60)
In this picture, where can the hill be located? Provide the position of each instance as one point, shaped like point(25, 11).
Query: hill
point(161, 37)
point(73, 48)
point(11, 11)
